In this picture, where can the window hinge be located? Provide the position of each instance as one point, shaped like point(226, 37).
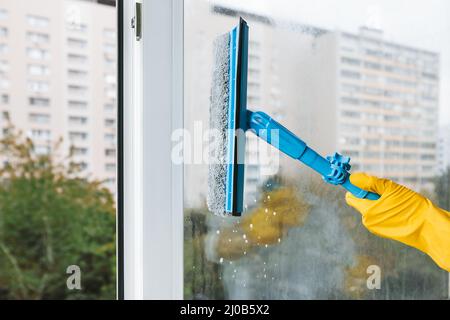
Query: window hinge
point(136, 21)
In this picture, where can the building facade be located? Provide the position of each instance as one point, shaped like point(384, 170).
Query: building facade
point(58, 78)
point(387, 107)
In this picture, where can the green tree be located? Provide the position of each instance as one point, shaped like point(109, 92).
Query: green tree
point(202, 278)
point(50, 218)
point(442, 189)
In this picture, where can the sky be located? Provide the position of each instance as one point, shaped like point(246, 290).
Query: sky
point(419, 23)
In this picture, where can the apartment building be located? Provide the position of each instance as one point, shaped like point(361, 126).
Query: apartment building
point(382, 104)
point(58, 78)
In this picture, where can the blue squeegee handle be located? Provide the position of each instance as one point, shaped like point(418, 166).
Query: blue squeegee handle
point(334, 169)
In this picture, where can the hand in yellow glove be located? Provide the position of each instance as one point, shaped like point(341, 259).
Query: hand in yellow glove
point(403, 215)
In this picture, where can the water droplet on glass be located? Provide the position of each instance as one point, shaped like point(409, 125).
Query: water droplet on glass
point(221, 260)
point(218, 231)
point(244, 236)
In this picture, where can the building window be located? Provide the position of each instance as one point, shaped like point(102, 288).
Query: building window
point(4, 67)
point(77, 120)
point(110, 62)
point(77, 58)
point(429, 76)
point(3, 32)
point(38, 54)
point(111, 93)
point(38, 86)
point(110, 181)
point(77, 74)
point(39, 118)
point(77, 89)
point(76, 104)
point(109, 107)
point(348, 100)
point(83, 166)
point(4, 83)
point(109, 48)
point(351, 61)
point(110, 79)
point(76, 43)
point(39, 134)
point(110, 123)
point(37, 21)
point(79, 151)
point(42, 150)
point(3, 14)
point(351, 74)
point(38, 70)
point(110, 152)
point(77, 26)
point(4, 98)
point(110, 137)
point(351, 114)
point(4, 49)
point(109, 34)
point(110, 167)
point(38, 37)
point(78, 136)
point(39, 102)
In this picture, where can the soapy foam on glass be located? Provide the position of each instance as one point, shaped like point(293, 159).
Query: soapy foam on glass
point(218, 117)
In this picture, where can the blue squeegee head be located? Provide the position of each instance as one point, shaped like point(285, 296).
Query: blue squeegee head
point(228, 114)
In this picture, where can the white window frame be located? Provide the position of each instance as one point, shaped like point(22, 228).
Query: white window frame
point(152, 190)
point(150, 230)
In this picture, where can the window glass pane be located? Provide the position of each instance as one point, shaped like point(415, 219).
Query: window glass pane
point(362, 83)
point(57, 159)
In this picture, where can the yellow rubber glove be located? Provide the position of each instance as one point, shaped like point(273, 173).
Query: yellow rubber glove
point(403, 215)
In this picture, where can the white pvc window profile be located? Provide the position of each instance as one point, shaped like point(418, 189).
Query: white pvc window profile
point(152, 191)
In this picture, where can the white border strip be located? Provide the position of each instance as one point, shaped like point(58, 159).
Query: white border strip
point(153, 185)
point(133, 163)
point(177, 170)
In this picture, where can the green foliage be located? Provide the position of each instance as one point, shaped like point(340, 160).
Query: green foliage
point(51, 219)
point(442, 189)
point(201, 277)
point(406, 273)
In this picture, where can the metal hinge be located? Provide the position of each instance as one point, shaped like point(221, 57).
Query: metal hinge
point(136, 21)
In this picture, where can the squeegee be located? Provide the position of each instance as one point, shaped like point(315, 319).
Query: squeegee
point(231, 118)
